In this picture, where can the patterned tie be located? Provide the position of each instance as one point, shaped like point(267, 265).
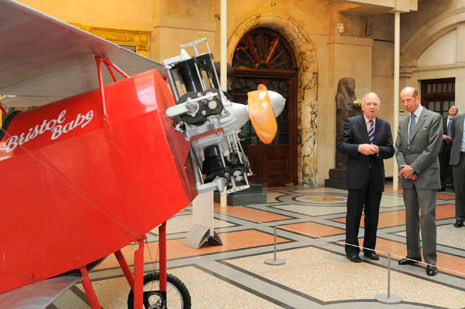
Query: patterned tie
point(371, 131)
point(412, 126)
point(449, 121)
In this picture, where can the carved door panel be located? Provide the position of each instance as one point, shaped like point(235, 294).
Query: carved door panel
point(264, 57)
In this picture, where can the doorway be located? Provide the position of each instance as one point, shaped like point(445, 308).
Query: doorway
point(438, 95)
point(263, 56)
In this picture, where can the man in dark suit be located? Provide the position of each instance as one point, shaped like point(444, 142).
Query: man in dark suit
point(418, 143)
point(457, 160)
point(367, 140)
point(444, 154)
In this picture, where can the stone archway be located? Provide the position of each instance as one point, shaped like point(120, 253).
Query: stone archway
point(428, 33)
point(307, 122)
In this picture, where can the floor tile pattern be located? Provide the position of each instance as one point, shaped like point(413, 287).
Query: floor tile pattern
point(310, 238)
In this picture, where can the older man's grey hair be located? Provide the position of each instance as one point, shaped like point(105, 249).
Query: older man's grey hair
point(371, 94)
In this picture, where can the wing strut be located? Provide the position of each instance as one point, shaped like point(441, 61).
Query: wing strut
point(101, 87)
point(136, 280)
point(109, 65)
point(90, 292)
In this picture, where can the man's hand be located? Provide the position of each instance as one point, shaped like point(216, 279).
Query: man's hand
point(407, 173)
point(413, 177)
point(446, 138)
point(368, 149)
point(374, 148)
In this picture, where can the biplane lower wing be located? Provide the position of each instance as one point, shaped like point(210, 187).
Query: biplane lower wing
point(40, 294)
point(43, 293)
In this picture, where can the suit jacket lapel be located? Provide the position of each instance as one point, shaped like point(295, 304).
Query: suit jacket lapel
point(363, 129)
point(419, 123)
point(405, 124)
point(377, 129)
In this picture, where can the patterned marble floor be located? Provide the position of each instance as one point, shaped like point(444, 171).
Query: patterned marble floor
point(310, 227)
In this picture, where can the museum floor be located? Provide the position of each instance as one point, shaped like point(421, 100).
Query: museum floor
point(310, 239)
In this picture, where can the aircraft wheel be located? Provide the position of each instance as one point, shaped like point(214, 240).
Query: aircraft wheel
point(177, 294)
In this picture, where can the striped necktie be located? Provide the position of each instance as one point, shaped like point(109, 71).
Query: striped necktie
point(371, 131)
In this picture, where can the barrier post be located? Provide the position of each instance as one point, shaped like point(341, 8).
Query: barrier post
point(275, 261)
point(388, 298)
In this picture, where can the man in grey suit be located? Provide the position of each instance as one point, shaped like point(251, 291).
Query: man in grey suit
point(457, 160)
point(418, 143)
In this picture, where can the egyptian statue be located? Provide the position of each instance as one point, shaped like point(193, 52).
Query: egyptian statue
point(346, 106)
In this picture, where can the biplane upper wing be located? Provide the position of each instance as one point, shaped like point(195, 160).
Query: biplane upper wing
point(43, 59)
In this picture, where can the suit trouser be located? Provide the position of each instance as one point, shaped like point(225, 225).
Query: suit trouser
point(458, 172)
point(424, 199)
point(366, 199)
point(444, 158)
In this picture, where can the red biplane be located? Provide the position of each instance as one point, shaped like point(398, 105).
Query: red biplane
point(100, 161)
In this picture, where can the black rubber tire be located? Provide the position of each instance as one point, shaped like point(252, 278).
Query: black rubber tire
point(172, 283)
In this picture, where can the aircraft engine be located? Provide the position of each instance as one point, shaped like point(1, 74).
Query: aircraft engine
point(212, 122)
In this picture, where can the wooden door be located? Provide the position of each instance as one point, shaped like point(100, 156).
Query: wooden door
point(263, 56)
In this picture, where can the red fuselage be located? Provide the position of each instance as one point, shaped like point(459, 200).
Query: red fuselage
point(75, 188)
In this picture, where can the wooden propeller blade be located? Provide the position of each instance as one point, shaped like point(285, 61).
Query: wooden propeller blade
point(261, 114)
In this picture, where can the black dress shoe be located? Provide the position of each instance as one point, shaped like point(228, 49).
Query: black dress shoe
point(409, 261)
point(354, 258)
point(431, 270)
point(371, 255)
point(458, 223)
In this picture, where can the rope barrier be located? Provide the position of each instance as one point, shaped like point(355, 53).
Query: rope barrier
point(326, 241)
point(383, 298)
